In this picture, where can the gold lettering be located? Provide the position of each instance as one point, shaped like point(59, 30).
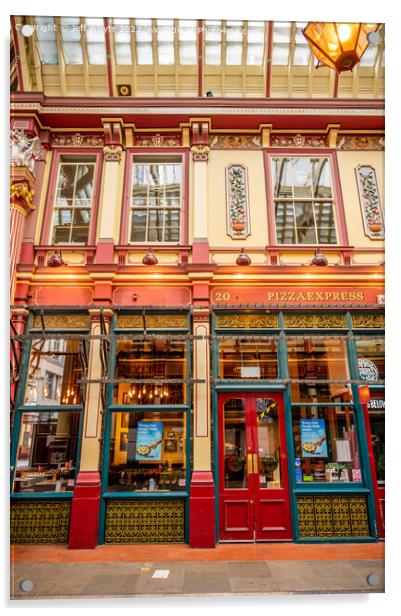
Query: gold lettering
point(328, 296)
point(360, 295)
point(310, 296)
point(344, 296)
point(336, 296)
point(301, 297)
point(352, 296)
point(270, 295)
point(319, 296)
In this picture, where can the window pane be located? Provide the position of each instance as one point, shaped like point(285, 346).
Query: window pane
point(46, 455)
point(302, 177)
point(147, 452)
point(122, 31)
point(213, 53)
point(324, 214)
point(268, 449)
point(144, 53)
point(301, 55)
point(280, 55)
point(187, 53)
point(213, 31)
point(94, 30)
point(234, 53)
point(80, 229)
point(254, 55)
point(187, 30)
point(48, 52)
point(282, 177)
point(62, 226)
point(326, 235)
point(143, 30)
point(72, 53)
point(235, 460)
point(234, 31)
point(370, 353)
point(46, 30)
point(138, 226)
point(284, 214)
point(70, 29)
point(321, 178)
point(326, 445)
point(241, 359)
point(282, 32)
point(64, 363)
point(318, 359)
point(306, 232)
point(158, 360)
point(84, 184)
point(97, 53)
point(123, 53)
point(286, 235)
point(65, 188)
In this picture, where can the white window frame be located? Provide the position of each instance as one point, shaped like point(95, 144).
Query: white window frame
point(155, 159)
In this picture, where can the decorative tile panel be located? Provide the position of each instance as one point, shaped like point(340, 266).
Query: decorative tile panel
point(39, 521)
point(145, 522)
point(369, 198)
point(62, 321)
point(236, 142)
point(152, 321)
point(360, 142)
point(238, 223)
point(332, 516)
point(368, 321)
point(314, 321)
point(247, 321)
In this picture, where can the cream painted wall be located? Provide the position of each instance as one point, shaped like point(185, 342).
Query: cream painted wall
point(347, 163)
point(216, 196)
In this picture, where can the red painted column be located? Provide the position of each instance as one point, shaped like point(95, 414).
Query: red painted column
point(21, 194)
point(85, 511)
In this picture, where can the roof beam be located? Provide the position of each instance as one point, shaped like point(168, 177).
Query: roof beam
point(85, 58)
point(134, 77)
point(291, 58)
point(176, 57)
point(244, 55)
point(378, 64)
point(223, 56)
point(200, 49)
point(269, 53)
point(155, 57)
point(61, 58)
point(110, 59)
point(20, 56)
point(34, 46)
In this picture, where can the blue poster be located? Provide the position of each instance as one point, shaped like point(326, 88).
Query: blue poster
point(313, 438)
point(149, 441)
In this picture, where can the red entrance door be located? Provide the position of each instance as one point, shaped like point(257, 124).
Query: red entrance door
point(253, 478)
point(374, 419)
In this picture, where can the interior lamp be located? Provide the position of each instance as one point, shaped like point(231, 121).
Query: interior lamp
point(339, 45)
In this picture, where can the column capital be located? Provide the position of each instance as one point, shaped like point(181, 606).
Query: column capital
point(95, 313)
point(200, 152)
point(112, 152)
point(21, 196)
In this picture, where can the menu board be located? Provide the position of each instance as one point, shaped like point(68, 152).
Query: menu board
point(313, 438)
point(149, 441)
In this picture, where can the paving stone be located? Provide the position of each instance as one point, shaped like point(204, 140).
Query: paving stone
point(248, 569)
point(205, 583)
point(112, 585)
point(253, 584)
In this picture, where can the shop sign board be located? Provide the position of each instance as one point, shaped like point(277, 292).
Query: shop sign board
point(149, 441)
point(295, 295)
point(313, 438)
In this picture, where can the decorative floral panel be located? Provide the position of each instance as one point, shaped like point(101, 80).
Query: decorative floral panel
point(236, 142)
point(368, 321)
point(39, 521)
point(298, 141)
point(369, 198)
point(246, 321)
point(152, 321)
point(145, 522)
point(315, 321)
point(62, 321)
point(333, 516)
point(360, 142)
point(238, 223)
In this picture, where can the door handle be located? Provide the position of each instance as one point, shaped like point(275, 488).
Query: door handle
point(256, 463)
point(249, 464)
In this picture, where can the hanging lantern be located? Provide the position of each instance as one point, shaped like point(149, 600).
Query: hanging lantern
point(338, 45)
point(243, 258)
point(364, 394)
point(319, 258)
point(150, 258)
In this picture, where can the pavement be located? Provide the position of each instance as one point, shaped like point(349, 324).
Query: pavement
point(54, 572)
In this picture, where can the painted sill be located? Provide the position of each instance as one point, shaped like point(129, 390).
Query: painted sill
point(146, 495)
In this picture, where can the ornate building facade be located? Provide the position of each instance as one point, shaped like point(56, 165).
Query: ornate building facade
point(197, 293)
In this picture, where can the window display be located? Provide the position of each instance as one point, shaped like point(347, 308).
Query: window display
point(318, 358)
point(154, 366)
point(325, 444)
point(54, 369)
point(243, 358)
point(147, 452)
point(376, 414)
point(46, 454)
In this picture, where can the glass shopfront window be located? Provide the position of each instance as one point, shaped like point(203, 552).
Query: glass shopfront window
point(316, 358)
point(376, 414)
point(325, 444)
point(147, 452)
point(242, 358)
point(370, 352)
point(47, 452)
point(153, 365)
point(54, 369)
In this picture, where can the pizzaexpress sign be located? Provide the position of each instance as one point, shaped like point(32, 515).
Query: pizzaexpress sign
point(296, 295)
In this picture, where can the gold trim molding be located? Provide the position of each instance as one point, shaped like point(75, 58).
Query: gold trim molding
point(247, 321)
point(62, 321)
point(152, 321)
point(368, 321)
point(314, 321)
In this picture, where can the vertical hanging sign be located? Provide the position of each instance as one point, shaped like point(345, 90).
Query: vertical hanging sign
point(369, 198)
point(238, 223)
